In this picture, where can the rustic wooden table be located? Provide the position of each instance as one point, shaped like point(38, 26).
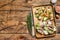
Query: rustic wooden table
point(13, 18)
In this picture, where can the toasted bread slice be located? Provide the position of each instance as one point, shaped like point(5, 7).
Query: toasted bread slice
point(39, 17)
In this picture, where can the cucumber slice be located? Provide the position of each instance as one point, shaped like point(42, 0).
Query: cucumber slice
point(45, 32)
point(46, 28)
point(39, 17)
point(45, 18)
point(40, 11)
point(37, 26)
point(36, 15)
point(50, 32)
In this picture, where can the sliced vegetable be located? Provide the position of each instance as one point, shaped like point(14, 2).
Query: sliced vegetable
point(36, 15)
point(37, 26)
point(46, 28)
point(45, 18)
point(45, 32)
point(40, 11)
point(40, 31)
point(39, 17)
point(47, 25)
point(50, 32)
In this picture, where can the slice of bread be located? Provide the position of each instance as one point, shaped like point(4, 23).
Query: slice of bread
point(37, 34)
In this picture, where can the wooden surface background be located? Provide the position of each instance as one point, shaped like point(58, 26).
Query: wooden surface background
point(13, 18)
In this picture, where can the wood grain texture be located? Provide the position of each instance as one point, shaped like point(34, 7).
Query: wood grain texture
point(25, 37)
point(14, 22)
point(13, 18)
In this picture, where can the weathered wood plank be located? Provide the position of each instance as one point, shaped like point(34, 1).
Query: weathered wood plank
point(13, 20)
point(25, 37)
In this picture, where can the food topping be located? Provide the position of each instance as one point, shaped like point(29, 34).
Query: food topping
point(45, 17)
